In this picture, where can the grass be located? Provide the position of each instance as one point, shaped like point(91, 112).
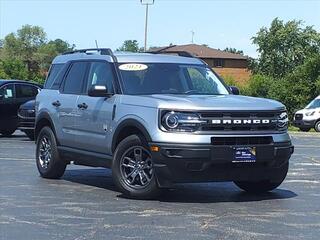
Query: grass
point(295, 129)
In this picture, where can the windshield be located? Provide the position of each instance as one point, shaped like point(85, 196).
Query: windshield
point(170, 78)
point(314, 104)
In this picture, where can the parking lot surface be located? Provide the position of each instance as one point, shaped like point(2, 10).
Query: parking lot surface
point(84, 204)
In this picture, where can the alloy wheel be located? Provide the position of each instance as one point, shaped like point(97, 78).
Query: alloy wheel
point(136, 167)
point(45, 152)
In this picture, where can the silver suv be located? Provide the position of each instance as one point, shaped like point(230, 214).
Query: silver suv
point(157, 120)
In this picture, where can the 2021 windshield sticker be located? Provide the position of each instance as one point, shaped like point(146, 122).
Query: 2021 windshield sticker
point(133, 67)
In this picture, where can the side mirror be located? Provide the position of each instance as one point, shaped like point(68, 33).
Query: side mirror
point(234, 90)
point(98, 91)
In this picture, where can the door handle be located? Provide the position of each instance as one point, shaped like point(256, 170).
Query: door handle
point(83, 106)
point(56, 103)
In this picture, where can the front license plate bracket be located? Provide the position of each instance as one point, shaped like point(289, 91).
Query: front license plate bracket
point(245, 155)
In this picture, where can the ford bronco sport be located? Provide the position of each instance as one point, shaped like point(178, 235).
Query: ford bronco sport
point(157, 120)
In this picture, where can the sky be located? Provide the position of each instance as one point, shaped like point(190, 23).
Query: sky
point(218, 23)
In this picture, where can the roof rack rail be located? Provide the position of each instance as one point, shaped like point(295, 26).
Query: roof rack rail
point(103, 51)
point(179, 53)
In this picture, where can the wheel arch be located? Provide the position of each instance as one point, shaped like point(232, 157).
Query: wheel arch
point(127, 128)
point(42, 120)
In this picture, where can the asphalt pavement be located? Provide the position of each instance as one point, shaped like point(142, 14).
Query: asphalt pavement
point(84, 204)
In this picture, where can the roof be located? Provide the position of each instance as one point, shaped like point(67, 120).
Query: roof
point(4, 81)
point(123, 57)
point(200, 51)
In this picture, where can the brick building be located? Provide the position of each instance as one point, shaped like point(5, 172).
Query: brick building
point(224, 63)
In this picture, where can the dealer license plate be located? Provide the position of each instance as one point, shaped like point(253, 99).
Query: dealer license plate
point(245, 155)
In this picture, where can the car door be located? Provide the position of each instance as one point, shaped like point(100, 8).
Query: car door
point(94, 120)
point(66, 103)
point(8, 107)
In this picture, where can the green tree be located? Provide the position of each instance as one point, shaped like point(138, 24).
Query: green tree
point(24, 44)
point(48, 51)
point(29, 52)
point(284, 46)
point(233, 50)
point(14, 69)
point(130, 46)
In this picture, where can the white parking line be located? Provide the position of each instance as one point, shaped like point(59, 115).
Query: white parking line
point(16, 159)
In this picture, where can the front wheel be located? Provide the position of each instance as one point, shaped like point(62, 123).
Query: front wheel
point(263, 186)
point(49, 164)
point(132, 169)
point(317, 126)
point(304, 129)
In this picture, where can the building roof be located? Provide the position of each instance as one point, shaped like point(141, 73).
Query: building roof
point(200, 51)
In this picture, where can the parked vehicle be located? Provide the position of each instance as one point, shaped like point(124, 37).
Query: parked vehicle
point(157, 120)
point(309, 117)
point(13, 93)
point(26, 114)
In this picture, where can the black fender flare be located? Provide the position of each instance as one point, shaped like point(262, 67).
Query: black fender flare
point(41, 116)
point(129, 123)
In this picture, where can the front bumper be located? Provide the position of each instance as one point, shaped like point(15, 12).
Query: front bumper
point(304, 123)
point(26, 123)
point(182, 163)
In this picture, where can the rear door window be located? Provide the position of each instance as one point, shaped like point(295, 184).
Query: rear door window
point(26, 91)
point(75, 77)
point(7, 92)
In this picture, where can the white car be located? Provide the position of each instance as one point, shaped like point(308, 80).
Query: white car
point(309, 117)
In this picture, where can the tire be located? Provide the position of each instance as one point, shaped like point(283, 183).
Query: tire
point(126, 163)
point(7, 133)
point(304, 129)
point(49, 163)
point(30, 134)
point(263, 186)
point(317, 126)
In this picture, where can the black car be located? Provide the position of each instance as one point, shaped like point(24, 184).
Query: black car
point(26, 114)
point(14, 93)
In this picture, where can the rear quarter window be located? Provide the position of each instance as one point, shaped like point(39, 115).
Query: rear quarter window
point(54, 77)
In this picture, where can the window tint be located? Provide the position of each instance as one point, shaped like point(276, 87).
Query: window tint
point(74, 79)
point(7, 92)
point(100, 73)
point(53, 74)
point(26, 91)
point(314, 104)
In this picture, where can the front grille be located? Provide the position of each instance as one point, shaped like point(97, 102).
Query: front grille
point(234, 141)
point(298, 116)
point(239, 116)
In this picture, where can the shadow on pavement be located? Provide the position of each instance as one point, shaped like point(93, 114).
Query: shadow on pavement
point(183, 193)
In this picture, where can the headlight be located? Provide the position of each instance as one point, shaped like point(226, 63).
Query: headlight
point(283, 121)
point(310, 113)
point(181, 122)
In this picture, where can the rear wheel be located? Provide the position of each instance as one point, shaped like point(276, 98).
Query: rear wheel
point(263, 186)
point(317, 126)
point(132, 169)
point(7, 133)
point(47, 156)
point(304, 129)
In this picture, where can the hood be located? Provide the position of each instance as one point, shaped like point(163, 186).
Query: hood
point(306, 111)
point(28, 105)
point(202, 102)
